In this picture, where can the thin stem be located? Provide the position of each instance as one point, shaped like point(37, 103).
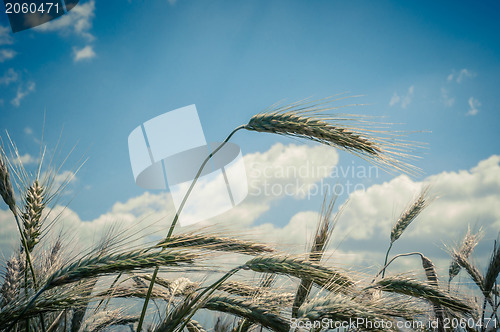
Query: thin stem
point(392, 259)
point(25, 245)
point(176, 218)
point(386, 256)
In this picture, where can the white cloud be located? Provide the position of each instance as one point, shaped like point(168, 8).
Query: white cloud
point(23, 92)
point(28, 131)
point(404, 100)
point(6, 54)
point(363, 230)
point(5, 36)
point(78, 21)
point(64, 178)
point(85, 53)
point(474, 105)
point(447, 100)
point(25, 159)
point(461, 75)
point(394, 99)
point(172, 2)
point(9, 76)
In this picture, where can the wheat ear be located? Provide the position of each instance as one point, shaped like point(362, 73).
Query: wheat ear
point(419, 289)
point(321, 239)
point(32, 216)
point(406, 217)
point(215, 243)
point(493, 270)
point(322, 276)
point(467, 245)
point(12, 279)
point(308, 119)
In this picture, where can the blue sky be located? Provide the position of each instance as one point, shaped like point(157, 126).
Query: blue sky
point(106, 67)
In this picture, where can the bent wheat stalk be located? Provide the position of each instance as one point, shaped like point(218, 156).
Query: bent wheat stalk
point(302, 119)
point(419, 289)
point(406, 218)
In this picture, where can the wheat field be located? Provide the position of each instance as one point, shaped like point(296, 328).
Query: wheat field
point(159, 288)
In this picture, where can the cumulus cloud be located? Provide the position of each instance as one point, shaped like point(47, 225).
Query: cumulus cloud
point(77, 21)
point(7, 54)
point(85, 53)
point(474, 105)
point(24, 159)
point(23, 92)
point(363, 230)
point(461, 75)
point(403, 100)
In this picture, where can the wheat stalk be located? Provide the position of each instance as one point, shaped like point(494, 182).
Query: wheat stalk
point(307, 119)
point(419, 289)
point(215, 243)
point(321, 239)
point(258, 294)
point(50, 301)
point(6, 189)
point(493, 271)
point(105, 319)
point(405, 219)
point(409, 214)
point(471, 269)
point(432, 277)
point(467, 245)
point(175, 317)
point(323, 276)
point(32, 223)
point(110, 263)
point(12, 279)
